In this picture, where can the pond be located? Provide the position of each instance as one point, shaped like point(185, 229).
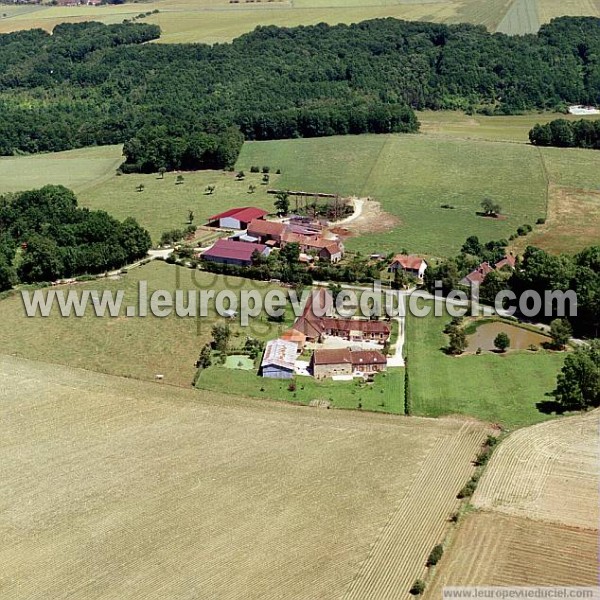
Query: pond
point(520, 339)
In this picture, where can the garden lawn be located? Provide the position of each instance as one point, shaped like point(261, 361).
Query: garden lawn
point(385, 395)
point(501, 389)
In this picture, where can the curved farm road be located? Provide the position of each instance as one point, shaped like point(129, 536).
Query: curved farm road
point(358, 204)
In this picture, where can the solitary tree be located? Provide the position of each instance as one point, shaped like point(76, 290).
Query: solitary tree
point(190, 216)
point(502, 341)
point(490, 208)
point(266, 178)
point(240, 176)
point(180, 179)
point(210, 189)
point(458, 341)
point(162, 172)
point(140, 187)
point(251, 189)
point(282, 203)
point(418, 587)
point(560, 331)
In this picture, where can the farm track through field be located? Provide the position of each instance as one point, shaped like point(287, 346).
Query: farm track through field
point(522, 18)
point(398, 557)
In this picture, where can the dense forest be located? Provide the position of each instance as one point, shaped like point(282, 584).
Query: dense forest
point(176, 105)
point(45, 236)
point(567, 134)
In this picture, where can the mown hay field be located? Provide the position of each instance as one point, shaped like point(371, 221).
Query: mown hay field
point(551, 9)
point(547, 472)
point(499, 550)
point(537, 518)
point(138, 347)
point(211, 21)
point(119, 488)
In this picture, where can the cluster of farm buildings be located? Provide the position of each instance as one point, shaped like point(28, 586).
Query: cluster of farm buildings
point(358, 342)
point(314, 326)
point(255, 234)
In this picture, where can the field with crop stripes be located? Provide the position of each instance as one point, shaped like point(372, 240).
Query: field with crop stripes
point(210, 21)
point(117, 488)
point(537, 518)
point(399, 555)
point(521, 18)
point(548, 471)
point(496, 549)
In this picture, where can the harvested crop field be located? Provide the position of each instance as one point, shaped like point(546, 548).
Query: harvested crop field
point(538, 523)
point(494, 549)
point(116, 488)
point(548, 471)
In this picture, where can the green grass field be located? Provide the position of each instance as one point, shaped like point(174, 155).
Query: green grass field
point(514, 128)
point(130, 347)
point(501, 389)
point(412, 176)
point(385, 395)
point(457, 160)
point(76, 169)
point(164, 205)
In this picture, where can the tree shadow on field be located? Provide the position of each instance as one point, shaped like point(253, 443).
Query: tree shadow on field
point(549, 407)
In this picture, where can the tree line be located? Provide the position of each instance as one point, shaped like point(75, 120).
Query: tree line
point(536, 270)
point(90, 83)
point(567, 134)
point(46, 236)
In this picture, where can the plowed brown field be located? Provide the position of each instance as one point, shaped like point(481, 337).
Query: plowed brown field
point(116, 488)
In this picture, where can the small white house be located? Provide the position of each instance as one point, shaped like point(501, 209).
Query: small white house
point(413, 265)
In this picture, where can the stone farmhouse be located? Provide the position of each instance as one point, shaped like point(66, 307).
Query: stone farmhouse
point(346, 362)
point(411, 265)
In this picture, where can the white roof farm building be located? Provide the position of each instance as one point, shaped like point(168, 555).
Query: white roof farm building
point(237, 218)
point(278, 359)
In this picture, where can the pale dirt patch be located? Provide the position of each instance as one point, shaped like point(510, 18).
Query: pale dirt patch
point(571, 223)
point(373, 219)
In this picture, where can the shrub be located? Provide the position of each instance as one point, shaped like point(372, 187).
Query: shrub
point(418, 587)
point(254, 170)
point(266, 169)
point(540, 221)
point(435, 556)
point(292, 386)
